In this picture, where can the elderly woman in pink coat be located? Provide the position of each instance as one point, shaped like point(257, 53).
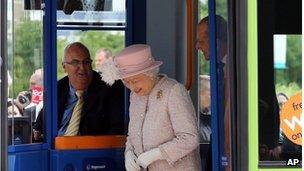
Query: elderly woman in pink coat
point(162, 132)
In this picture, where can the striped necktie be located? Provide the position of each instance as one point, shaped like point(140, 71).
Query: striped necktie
point(73, 126)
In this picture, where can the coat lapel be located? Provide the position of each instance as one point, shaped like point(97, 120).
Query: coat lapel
point(93, 94)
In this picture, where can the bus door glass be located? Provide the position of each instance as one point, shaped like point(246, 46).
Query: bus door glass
point(99, 25)
point(25, 70)
point(224, 76)
point(204, 97)
point(223, 61)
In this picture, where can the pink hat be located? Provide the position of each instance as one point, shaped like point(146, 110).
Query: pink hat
point(135, 59)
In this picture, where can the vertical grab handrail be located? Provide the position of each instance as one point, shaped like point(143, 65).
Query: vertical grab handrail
point(189, 74)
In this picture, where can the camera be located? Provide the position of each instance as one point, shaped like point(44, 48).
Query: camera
point(25, 98)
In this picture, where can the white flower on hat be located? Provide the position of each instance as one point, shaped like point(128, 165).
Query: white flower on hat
point(109, 72)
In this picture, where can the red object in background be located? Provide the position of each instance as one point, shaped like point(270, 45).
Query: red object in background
point(37, 94)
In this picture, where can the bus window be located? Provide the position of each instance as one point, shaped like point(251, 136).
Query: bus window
point(279, 78)
point(287, 74)
point(100, 27)
point(25, 72)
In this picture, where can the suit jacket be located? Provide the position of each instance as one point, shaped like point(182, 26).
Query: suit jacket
point(165, 119)
point(103, 107)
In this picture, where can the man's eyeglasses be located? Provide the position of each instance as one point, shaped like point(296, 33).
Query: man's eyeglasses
point(77, 63)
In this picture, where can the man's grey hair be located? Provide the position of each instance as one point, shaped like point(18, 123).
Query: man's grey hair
point(221, 26)
point(204, 81)
point(78, 45)
point(108, 52)
point(37, 76)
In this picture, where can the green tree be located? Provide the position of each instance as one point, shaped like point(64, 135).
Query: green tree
point(289, 80)
point(61, 44)
point(27, 54)
point(203, 9)
point(95, 40)
point(203, 64)
point(221, 8)
point(294, 59)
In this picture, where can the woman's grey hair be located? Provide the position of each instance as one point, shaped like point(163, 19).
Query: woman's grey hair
point(152, 73)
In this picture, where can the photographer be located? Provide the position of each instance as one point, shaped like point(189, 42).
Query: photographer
point(23, 100)
point(33, 96)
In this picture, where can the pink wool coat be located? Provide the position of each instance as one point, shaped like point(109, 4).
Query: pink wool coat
point(165, 119)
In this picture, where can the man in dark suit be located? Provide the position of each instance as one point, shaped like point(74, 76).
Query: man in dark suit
point(102, 111)
point(203, 45)
point(103, 106)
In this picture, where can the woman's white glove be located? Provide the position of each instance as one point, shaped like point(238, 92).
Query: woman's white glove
point(148, 157)
point(130, 163)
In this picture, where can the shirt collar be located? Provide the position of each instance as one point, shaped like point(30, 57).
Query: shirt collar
point(72, 91)
point(224, 59)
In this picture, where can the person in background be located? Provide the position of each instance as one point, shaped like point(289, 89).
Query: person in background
point(101, 56)
point(36, 78)
point(36, 89)
point(205, 111)
point(283, 142)
point(203, 45)
point(24, 99)
point(36, 85)
point(202, 39)
point(282, 99)
point(162, 132)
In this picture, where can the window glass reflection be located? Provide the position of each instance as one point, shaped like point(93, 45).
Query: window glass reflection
point(91, 12)
point(33, 4)
point(69, 6)
point(25, 70)
point(287, 63)
point(204, 81)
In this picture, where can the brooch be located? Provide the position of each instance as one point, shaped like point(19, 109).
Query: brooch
point(159, 94)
